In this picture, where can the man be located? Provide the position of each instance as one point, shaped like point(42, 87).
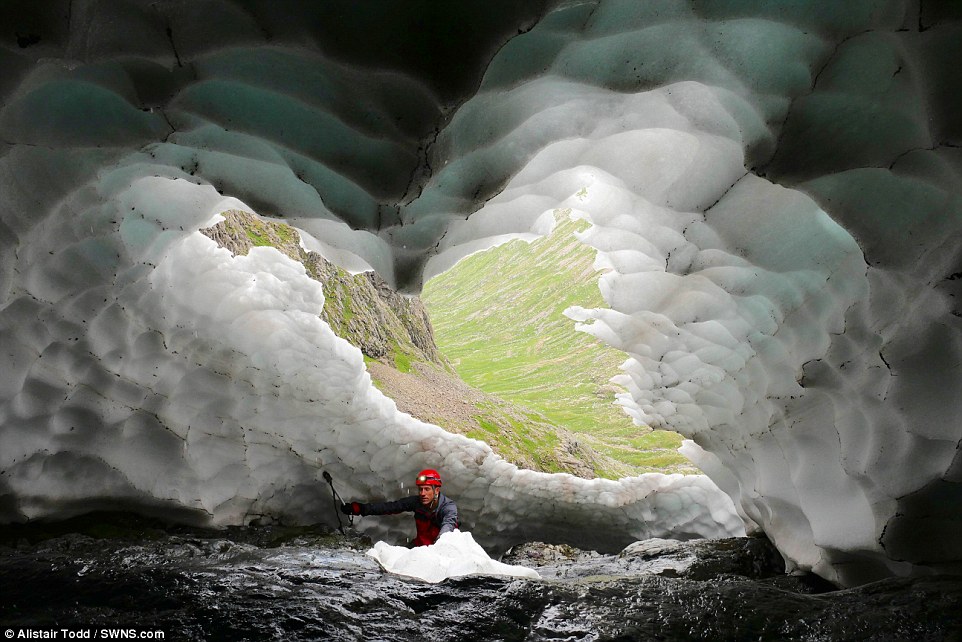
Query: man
point(434, 513)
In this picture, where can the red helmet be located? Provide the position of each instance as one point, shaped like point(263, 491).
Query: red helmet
point(428, 477)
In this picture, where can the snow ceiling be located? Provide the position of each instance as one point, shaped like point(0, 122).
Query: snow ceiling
point(775, 187)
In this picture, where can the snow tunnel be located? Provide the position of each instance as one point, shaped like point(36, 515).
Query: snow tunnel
point(774, 189)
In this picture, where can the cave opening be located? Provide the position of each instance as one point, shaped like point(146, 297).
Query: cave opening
point(486, 350)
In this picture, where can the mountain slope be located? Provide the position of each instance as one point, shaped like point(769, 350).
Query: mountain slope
point(498, 317)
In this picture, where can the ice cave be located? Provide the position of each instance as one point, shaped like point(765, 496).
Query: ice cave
point(774, 188)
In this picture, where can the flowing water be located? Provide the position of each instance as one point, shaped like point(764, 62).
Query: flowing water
point(129, 578)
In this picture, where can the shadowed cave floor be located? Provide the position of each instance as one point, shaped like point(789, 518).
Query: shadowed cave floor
point(259, 583)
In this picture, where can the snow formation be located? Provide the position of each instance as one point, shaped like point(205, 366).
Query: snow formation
point(774, 187)
point(455, 554)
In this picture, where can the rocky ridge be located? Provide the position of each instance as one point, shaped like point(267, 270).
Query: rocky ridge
point(360, 308)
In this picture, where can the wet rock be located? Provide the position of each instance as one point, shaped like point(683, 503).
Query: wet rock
point(699, 559)
point(540, 554)
point(276, 584)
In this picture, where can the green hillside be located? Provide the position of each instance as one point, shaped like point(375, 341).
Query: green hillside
point(497, 317)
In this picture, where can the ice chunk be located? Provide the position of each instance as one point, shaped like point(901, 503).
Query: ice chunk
point(455, 554)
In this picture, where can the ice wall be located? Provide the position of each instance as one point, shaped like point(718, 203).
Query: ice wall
point(774, 187)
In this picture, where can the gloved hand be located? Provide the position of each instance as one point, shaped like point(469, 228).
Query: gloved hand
point(352, 508)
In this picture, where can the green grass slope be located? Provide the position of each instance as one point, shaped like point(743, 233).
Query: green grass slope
point(498, 317)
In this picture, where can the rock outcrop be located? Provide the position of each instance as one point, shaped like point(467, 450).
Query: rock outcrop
point(361, 308)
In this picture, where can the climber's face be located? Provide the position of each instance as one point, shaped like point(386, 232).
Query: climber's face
point(427, 494)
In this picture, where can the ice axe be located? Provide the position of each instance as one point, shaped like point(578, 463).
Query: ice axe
point(337, 503)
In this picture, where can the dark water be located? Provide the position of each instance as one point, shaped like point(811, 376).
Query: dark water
point(127, 578)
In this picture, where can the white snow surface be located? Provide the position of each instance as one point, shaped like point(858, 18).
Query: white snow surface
point(774, 191)
point(455, 554)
